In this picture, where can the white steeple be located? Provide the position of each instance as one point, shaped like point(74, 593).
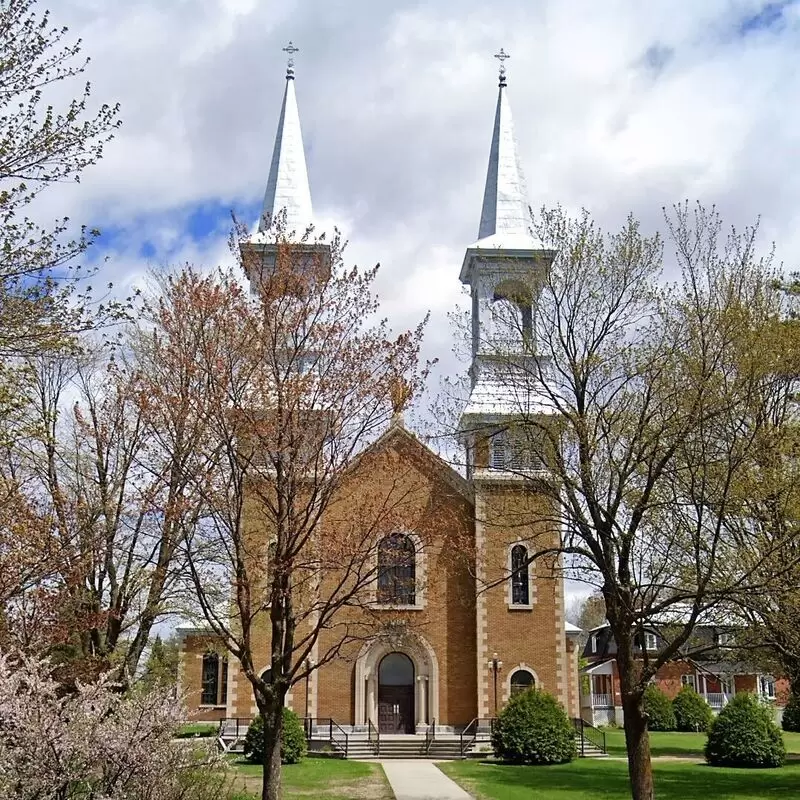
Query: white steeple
point(287, 186)
point(505, 202)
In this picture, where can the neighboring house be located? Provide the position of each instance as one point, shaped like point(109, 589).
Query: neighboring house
point(498, 625)
point(714, 673)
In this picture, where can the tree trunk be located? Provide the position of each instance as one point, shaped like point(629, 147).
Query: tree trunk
point(637, 742)
point(273, 731)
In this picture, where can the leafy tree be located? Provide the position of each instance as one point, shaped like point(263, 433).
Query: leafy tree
point(161, 668)
point(534, 729)
point(692, 712)
point(95, 742)
point(745, 735)
point(653, 396)
point(285, 385)
point(43, 141)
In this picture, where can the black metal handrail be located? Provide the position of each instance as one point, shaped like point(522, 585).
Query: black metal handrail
point(334, 727)
point(430, 736)
point(590, 733)
point(470, 732)
point(374, 736)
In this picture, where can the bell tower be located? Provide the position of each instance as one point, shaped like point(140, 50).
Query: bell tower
point(520, 603)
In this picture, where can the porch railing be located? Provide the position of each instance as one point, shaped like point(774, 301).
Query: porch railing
point(717, 699)
point(602, 700)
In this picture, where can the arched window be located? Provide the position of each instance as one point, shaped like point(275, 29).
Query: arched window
point(397, 570)
point(266, 675)
point(214, 680)
point(521, 681)
point(520, 589)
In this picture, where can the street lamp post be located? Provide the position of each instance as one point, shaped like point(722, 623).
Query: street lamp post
point(495, 666)
point(309, 666)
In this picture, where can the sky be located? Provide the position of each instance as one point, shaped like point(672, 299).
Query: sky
point(620, 107)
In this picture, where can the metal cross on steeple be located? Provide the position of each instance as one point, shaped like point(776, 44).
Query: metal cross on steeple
point(291, 50)
point(502, 56)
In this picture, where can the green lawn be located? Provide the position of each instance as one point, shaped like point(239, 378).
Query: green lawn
point(679, 744)
point(587, 779)
point(197, 729)
point(322, 779)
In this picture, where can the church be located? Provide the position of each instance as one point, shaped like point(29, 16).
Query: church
point(470, 631)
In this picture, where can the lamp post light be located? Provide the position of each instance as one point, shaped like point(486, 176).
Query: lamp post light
point(495, 666)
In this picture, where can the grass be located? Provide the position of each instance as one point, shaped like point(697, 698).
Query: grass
point(197, 730)
point(664, 743)
point(587, 779)
point(322, 779)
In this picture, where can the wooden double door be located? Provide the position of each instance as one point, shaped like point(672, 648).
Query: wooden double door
point(396, 709)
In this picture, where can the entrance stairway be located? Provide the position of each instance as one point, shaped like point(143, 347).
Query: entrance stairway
point(365, 743)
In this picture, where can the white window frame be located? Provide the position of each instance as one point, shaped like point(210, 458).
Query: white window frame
point(593, 644)
point(650, 642)
point(766, 687)
point(689, 679)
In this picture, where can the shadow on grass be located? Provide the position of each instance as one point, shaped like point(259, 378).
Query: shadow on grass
point(609, 780)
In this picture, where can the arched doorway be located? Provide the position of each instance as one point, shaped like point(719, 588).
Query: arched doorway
point(396, 694)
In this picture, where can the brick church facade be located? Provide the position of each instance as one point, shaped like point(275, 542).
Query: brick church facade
point(472, 619)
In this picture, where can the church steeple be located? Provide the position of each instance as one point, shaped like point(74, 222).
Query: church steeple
point(505, 202)
point(287, 185)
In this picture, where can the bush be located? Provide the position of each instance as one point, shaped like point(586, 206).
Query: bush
point(744, 735)
point(293, 740)
point(658, 708)
point(791, 714)
point(692, 712)
point(534, 729)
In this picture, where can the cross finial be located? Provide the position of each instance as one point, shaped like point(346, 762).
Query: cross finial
point(291, 50)
point(502, 56)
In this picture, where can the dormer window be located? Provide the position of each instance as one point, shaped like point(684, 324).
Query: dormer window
point(650, 642)
point(593, 643)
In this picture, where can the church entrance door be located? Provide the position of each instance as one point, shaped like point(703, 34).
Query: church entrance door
point(396, 694)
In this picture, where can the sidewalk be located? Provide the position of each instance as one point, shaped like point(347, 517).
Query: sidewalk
point(421, 780)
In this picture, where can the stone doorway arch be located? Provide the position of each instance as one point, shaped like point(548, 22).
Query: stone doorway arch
point(426, 679)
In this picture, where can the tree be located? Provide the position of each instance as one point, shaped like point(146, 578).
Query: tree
point(95, 742)
point(651, 395)
point(161, 668)
point(587, 612)
point(114, 504)
point(42, 142)
point(289, 384)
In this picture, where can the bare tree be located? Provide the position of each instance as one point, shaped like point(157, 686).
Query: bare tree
point(644, 398)
point(292, 382)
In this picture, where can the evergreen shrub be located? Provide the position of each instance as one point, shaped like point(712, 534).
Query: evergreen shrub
point(293, 740)
point(692, 712)
point(745, 735)
point(791, 714)
point(534, 729)
point(658, 708)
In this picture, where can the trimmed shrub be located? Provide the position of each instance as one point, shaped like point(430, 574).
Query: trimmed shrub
point(744, 735)
point(692, 712)
point(293, 740)
point(657, 706)
point(534, 729)
point(791, 714)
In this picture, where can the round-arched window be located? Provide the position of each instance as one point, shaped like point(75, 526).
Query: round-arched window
point(521, 681)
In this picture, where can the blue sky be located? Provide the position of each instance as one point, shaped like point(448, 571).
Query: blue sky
point(620, 106)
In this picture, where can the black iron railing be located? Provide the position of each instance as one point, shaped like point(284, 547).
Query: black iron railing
point(374, 736)
point(430, 736)
point(338, 736)
point(589, 733)
point(471, 731)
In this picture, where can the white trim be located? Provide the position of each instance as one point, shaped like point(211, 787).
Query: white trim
point(426, 667)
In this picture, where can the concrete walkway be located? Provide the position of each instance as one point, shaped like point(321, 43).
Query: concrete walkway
point(421, 780)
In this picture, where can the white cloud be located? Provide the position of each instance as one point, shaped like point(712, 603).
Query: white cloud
point(619, 107)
